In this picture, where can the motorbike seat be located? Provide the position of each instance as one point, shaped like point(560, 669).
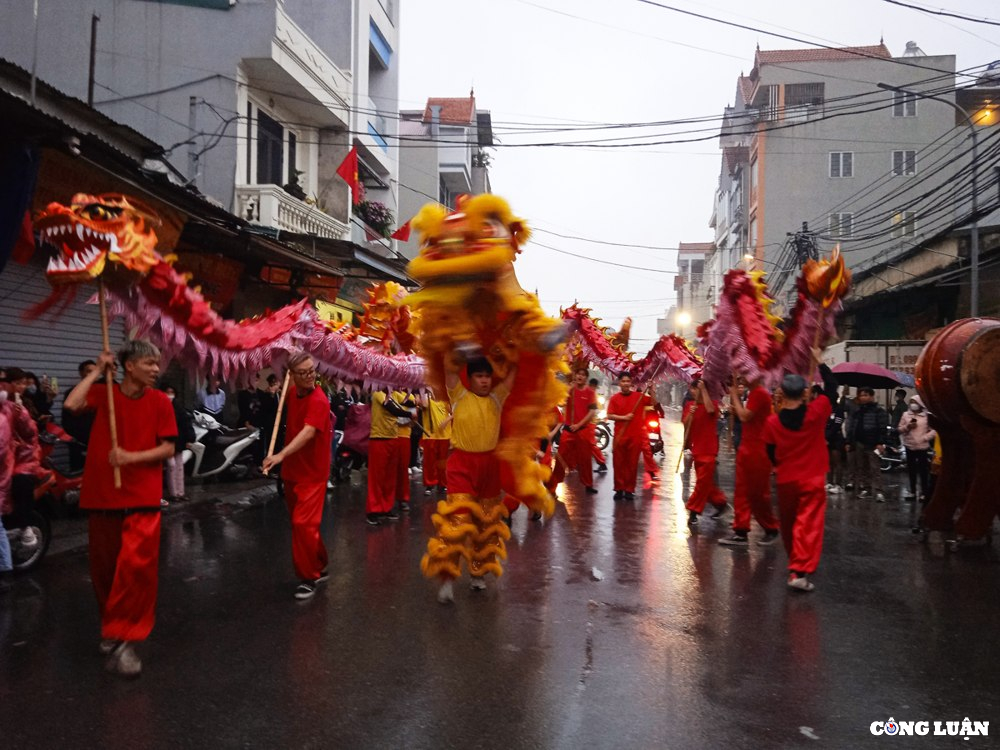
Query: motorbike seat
point(234, 436)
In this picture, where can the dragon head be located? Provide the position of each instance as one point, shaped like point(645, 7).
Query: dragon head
point(478, 240)
point(827, 281)
point(94, 229)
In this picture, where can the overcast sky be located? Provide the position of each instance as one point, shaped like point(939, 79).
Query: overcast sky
point(572, 62)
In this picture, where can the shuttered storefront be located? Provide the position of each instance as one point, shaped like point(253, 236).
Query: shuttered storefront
point(48, 347)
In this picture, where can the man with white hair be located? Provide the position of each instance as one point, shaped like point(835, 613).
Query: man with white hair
point(124, 521)
point(306, 458)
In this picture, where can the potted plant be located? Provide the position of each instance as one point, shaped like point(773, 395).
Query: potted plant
point(376, 215)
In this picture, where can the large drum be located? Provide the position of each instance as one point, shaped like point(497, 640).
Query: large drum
point(958, 376)
point(959, 371)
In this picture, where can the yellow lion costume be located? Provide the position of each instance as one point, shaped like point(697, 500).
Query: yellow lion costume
point(470, 302)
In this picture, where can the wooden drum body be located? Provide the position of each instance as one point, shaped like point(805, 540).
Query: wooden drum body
point(958, 377)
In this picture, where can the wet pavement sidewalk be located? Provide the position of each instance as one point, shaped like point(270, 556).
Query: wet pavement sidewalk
point(613, 626)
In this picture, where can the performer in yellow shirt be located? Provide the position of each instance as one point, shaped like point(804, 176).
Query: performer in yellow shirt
point(470, 522)
point(384, 457)
point(404, 420)
point(435, 419)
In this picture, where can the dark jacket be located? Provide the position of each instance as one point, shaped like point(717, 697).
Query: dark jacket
point(868, 426)
point(835, 428)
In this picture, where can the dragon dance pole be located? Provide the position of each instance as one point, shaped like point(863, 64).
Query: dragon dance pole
point(277, 417)
point(109, 378)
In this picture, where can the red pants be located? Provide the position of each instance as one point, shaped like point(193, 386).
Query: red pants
point(124, 564)
point(403, 470)
point(647, 459)
point(476, 474)
point(384, 456)
point(574, 453)
point(802, 506)
point(753, 491)
point(625, 464)
point(597, 453)
point(305, 506)
point(705, 489)
point(435, 460)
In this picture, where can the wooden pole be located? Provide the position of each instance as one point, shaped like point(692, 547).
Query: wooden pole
point(277, 417)
point(687, 428)
point(109, 377)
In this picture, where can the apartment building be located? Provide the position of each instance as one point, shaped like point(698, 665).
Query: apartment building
point(255, 103)
point(442, 155)
point(815, 154)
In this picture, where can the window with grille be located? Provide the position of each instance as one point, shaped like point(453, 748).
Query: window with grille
point(904, 163)
point(904, 104)
point(842, 164)
point(841, 225)
point(904, 224)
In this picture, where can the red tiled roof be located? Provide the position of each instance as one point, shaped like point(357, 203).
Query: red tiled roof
point(745, 88)
point(696, 247)
point(453, 111)
point(772, 56)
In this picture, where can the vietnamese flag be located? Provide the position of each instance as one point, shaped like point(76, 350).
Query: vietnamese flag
point(348, 170)
point(403, 233)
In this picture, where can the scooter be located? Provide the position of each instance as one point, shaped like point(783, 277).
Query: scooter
point(218, 449)
point(655, 437)
point(602, 434)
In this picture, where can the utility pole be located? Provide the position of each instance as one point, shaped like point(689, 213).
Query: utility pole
point(804, 242)
point(94, 20)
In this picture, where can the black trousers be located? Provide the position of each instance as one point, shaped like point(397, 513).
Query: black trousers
point(22, 492)
point(918, 464)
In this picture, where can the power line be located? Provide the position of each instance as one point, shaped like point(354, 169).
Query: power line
point(942, 12)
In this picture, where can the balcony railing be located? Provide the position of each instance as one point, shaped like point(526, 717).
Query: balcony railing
point(271, 206)
point(364, 235)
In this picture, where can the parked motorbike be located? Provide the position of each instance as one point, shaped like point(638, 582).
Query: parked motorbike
point(218, 449)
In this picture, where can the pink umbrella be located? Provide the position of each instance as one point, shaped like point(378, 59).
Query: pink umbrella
point(858, 374)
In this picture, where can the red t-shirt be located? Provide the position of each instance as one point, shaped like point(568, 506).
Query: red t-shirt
point(312, 462)
point(142, 423)
point(703, 435)
point(578, 404)
point(759, 402)
point(801, 454)
point(622, 405)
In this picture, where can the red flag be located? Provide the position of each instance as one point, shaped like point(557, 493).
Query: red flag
point(348, 170)
point(403, 233)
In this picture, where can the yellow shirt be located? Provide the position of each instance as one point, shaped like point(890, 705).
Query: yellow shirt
point(433, 417)
point(476, 422)
point(402, 430)
point(383, 423)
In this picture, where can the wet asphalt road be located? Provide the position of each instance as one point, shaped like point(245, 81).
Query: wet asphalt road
point(614, 626)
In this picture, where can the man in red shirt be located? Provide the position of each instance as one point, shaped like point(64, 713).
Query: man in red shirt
point(307, 467)
point(699, 414)
point(795, 442)
point(577, 438)
point(124, 522)
point(627, 410)
point(753, 469)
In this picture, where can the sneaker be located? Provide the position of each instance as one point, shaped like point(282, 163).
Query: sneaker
point(372, 519)
point(428, 491)
point(323, 577)
point(29, 539)
point(124, 661)
point(329, 484)
point(829, 487)
point(720, 511)
point(305, 590)
point(590, 490)
point(477, 584)
point(849, 486)
point(164, 503)
point(879, 497)
point(446, 594)
point(692, 518)
point(864, 494)
point(619, 494)
point(405, 507)
point(736, 540)
point(106, 646)
point(629, 496)
point(601, 469)
point(837, 489)
point(392, 515)
point(799, 583)
point(769, 538)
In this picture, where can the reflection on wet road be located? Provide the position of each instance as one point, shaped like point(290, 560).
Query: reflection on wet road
point(614, 626)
